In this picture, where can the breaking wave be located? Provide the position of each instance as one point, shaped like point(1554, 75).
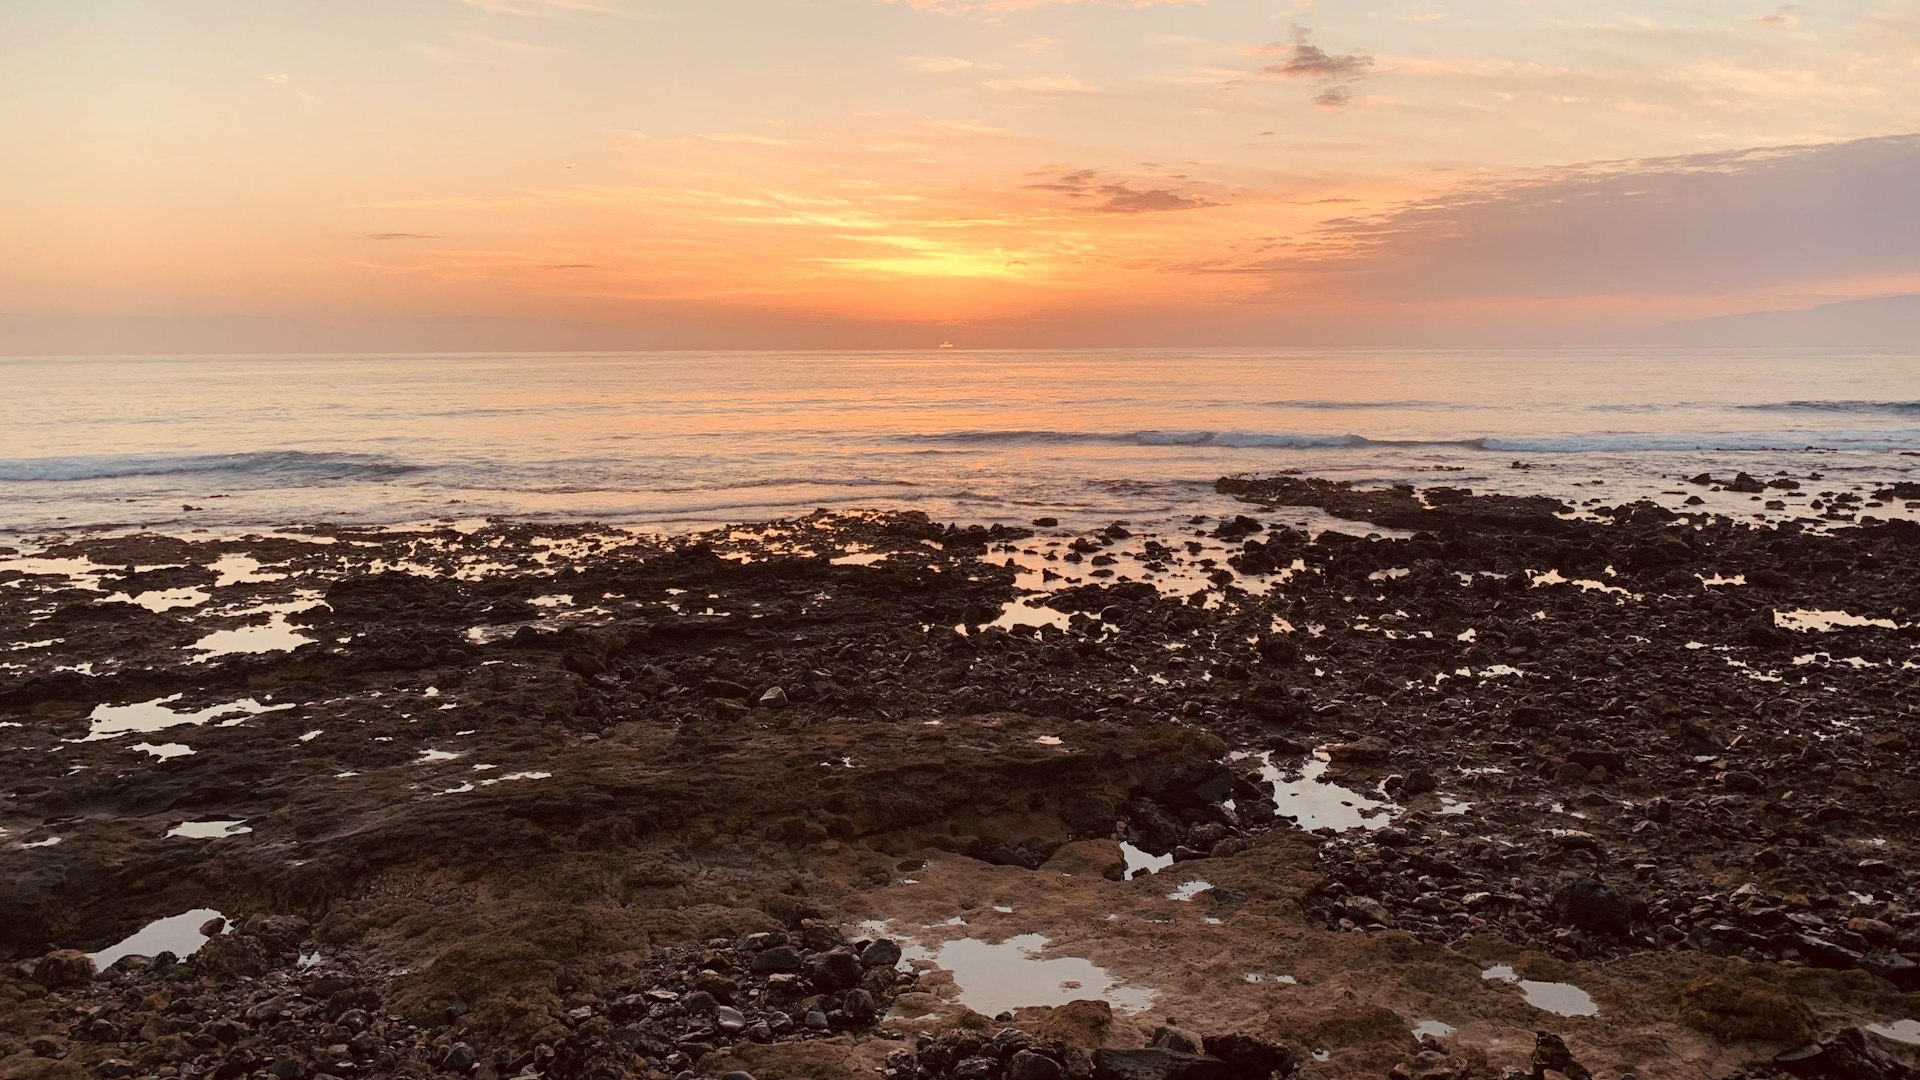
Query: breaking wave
point(1901, 407)
point(1168, 438)
point(295, 465)
point(1624, 442)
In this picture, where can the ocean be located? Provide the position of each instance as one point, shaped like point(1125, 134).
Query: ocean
point(689, 440)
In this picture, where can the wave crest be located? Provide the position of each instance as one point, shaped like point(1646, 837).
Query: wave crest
point(288, 464)
point(1834, 406)
point(1620, 442)
point(1227, 439)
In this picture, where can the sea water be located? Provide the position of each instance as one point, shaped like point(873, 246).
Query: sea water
point(693, 439)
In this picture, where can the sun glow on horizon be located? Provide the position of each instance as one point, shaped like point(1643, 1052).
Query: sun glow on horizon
point(1038, 171)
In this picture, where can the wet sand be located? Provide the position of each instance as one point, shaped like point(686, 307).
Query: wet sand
point(1397, 780)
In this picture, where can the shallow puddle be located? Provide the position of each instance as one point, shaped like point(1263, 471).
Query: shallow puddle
point(238, 569)
point(469, 785)
point(162, 599)
point(1565, 999)
point(1027, 615)
point(1555, 577)
point(1186, 891)
point(113, 721)
point(862, 558)
point(1314, 803)
point(78, 566)
point(163, 751)
point(1143, 862)
point(993, 978)
point(1806, 619)
point(276, 635)
point(177, 934)
point(1902, 1031)
point(209, 830)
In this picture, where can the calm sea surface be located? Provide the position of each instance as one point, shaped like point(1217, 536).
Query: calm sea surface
point(685, 439)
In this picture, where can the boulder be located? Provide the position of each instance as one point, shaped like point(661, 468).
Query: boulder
point(1083, 1023)
point(1027, 1065)
point(1197, 784)
point(63, 968)
point(1846, 1056)
point(1593, 906)
point(231, 955)
point(1092, 858)
point(884, 953)
point(1250, 1055)
point(1360, 751)
point(1157, 1064)
point(780, 958)
point(835, 969)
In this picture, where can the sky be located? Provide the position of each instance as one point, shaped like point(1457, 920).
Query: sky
point(318, 175)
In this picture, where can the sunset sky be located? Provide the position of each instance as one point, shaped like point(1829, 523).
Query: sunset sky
point(306, 175)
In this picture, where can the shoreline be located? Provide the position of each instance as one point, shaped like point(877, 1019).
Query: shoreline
point(1601, 747)
point(1581, 479)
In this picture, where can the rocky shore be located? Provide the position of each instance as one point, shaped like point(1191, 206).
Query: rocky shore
point(1350, 783)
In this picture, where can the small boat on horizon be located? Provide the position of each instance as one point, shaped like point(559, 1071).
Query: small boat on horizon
point(946, 344)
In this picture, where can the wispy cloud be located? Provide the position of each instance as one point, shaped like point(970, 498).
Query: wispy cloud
point(1699, 224)
point(302, 95)
point(955, 7)
point(546, 9)
point(1305, 60)
point(1122, 199)
point(1041, 84)
point(1090, 187)
point(747, 138)
point(398, 236)
point(1302, 59)
point(939, 65)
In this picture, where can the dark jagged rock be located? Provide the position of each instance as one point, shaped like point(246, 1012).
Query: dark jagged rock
point(1593, 906)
